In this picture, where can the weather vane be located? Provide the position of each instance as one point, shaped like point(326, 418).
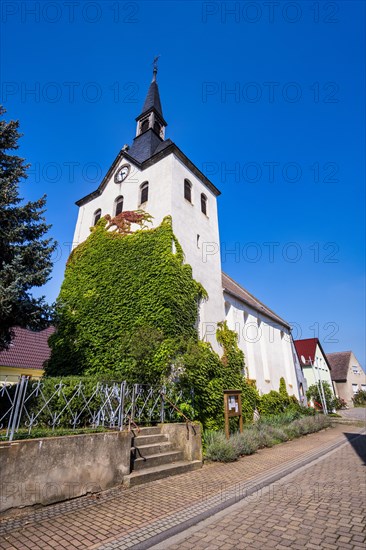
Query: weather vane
point(155, 65)
point(155, 62)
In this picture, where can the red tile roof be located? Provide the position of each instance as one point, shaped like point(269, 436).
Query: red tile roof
point(339, 362)
point(232, 287)
point(28, 350)
point(307, 348)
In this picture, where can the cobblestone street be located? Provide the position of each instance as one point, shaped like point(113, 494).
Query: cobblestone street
point(322, 506)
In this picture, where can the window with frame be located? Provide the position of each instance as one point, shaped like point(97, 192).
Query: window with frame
point(188, 190)
point(96, 216)
point(144, 192)
point(118, 205)
point(203, 204)
point(355, 388)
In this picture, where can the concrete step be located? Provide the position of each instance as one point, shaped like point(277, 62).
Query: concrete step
point(149, 430)
point(160, 472)
point(149, 439)
point(152, 449)
point(157, 460)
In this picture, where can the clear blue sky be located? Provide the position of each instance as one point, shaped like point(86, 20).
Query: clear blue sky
point(292, 128)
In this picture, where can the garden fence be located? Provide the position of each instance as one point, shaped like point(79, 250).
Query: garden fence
point(44, 404)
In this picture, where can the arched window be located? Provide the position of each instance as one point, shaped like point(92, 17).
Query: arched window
point(204, 204)
point(145, 125)
point(118, 205)
point(96, 216)
point(144, 192)
point(157, 127)
point(188, 190)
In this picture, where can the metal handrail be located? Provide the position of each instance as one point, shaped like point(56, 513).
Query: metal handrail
point(188, 421)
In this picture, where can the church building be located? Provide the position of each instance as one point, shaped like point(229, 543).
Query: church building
point(154, 175)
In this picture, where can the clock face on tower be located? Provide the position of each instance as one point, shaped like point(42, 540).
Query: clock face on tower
point(122, 173)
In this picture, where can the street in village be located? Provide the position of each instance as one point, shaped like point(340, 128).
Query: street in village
point(306, 493)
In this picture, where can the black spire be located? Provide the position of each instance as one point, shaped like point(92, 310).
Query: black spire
point(150, 132)
point(152, 101)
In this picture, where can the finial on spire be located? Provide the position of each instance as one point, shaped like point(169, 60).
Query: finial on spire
point(155, 65)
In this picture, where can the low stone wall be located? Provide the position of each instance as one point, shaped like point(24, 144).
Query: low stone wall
point(186, 438)
point(52, 469)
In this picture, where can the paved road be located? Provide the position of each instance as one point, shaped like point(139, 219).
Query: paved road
point(323, 506)
point(355, 413)
point(144, 516)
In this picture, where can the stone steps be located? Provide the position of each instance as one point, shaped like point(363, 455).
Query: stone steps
point(159, 472)
point(157, 460)
point(153, 456)
point(149, 439)
point(149, 430)
point(147, 450)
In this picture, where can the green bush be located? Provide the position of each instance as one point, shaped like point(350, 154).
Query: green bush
point(245, 443)
point(220, 449)
point(123, 305)
point(128, 309)
point(262, 434)
point(314, 393)
point(359, 399)
point(339, 403)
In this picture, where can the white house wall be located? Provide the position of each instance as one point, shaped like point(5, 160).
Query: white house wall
point(356, 381)
point(320, 370)
point(267, 347)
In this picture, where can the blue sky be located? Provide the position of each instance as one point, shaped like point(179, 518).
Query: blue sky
point(266, 98)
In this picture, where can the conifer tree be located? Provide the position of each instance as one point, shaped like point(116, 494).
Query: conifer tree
point(25, 253)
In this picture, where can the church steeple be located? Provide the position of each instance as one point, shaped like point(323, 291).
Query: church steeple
point(151, 117)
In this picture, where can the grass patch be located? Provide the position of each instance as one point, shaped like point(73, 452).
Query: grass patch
point(266, 433)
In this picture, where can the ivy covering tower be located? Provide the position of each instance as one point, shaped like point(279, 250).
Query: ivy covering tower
point(25, 253)
point(128, 309)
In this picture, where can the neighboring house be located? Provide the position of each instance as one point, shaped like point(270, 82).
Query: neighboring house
point(153, 174)
point(314, 362)
point(265, 338)
point(347, 375)
point(26, 355)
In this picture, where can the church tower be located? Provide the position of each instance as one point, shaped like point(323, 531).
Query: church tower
point(153, 174)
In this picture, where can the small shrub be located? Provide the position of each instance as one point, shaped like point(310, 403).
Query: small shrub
point(245, 443)
point(265, 439)
point(271, 403)
point(314, 393)
point(263, 434)
point(278, 434)
point(220, 449)
point(359, 399)
point(292, 430)
point(339, 403)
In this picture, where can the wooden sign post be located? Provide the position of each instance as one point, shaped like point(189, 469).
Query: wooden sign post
point(232, 407)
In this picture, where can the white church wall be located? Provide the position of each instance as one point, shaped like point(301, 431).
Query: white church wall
point(196, 232)
point(198, 235)
point(266, 345)
point(158, 204)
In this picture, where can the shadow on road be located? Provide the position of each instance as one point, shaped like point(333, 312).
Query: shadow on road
point(358, 443)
